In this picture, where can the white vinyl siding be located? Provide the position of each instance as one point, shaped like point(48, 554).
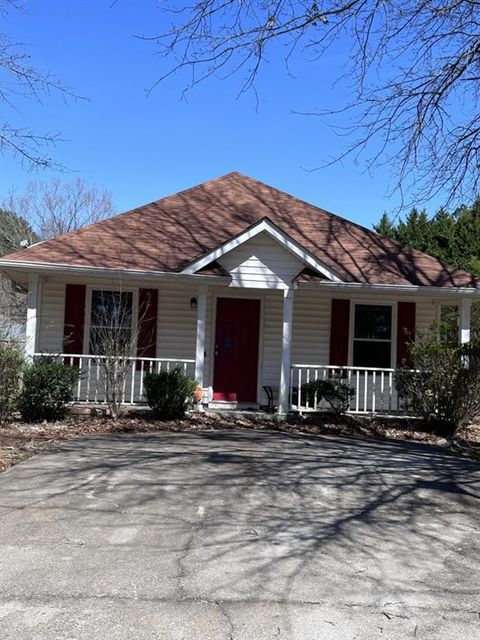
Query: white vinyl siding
point(311, 328)
point(52, 316)
point(177, 321)
point(272, 338)
point(426, 314)
point(261, 263)
point(176, 334)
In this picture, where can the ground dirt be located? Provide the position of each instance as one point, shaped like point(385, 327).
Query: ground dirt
point(19, 440)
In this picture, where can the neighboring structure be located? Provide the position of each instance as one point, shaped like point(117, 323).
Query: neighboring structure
point(244, 286)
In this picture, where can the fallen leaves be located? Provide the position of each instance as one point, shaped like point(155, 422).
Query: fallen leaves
point(19, 441)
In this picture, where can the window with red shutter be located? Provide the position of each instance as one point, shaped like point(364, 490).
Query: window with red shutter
point(372, 336)
point(339, 331)
point(74, 318)
point(147, 323)
point(405, 332)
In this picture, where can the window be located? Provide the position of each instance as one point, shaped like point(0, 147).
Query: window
point(110, 322)
point(372, 337)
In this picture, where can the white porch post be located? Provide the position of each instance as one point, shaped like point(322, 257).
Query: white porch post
point(200, 345)
point(284, 391)
point(32, 315)
point(464, 321)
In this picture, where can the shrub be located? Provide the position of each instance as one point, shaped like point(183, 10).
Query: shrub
point(443, 386)
point(11, 364)
point(335, 392)
point(168, 392)
point(47, 388)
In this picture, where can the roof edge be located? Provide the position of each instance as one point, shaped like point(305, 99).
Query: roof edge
point(58, 267)
point(390, 288)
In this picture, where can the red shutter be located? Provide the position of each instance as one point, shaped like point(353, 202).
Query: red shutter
point(147, 323)
point(405, 332)
point(74, 320)
point(339, 329)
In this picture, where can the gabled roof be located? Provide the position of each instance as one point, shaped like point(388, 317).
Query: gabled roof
point(263, 226)
point(171, 233)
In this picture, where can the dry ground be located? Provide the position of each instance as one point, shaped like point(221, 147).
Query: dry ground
point(19, 441)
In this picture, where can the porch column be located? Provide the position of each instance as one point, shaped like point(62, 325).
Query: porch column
point(33, 299)
point(464, 321)
point(200, 345)
point(284, 391)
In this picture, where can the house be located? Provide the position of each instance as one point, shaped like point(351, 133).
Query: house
point(247, 288)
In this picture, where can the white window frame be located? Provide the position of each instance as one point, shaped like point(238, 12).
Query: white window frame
point(88, 312)
point(393, 338)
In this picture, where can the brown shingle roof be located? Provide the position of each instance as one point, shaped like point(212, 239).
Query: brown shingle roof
point(168, 234)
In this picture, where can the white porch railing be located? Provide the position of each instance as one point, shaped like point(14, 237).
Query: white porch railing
point(90, 388)
point(374, 390)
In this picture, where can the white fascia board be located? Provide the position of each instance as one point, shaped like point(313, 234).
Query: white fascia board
point(278, 235)
point(58, 268)
point(390, 288)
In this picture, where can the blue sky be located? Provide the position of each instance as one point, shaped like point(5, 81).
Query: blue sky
point(142, 148)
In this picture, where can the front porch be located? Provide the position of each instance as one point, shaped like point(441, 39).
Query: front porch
point(374, 390)
point(289, 337)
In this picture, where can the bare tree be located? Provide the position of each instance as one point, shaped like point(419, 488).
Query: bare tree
point(414, 67)
point(44, 210)
point(55, 207)
point(114, 337)
point(20, 78)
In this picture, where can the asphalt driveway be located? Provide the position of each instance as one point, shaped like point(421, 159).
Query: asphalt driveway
point(239, 536)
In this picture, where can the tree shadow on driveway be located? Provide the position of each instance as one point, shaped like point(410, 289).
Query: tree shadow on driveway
point(250, 517)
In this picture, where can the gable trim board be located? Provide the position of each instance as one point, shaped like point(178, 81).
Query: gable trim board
point(261, 263)
point(263, 226)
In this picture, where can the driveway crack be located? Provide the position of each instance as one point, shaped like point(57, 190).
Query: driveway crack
point(185, 552)
point(225, 614)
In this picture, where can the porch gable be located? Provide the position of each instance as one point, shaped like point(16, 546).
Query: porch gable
point(261, 263)
point(278, 238)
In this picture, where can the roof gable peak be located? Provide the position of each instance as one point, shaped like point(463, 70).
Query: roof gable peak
point(263, 225)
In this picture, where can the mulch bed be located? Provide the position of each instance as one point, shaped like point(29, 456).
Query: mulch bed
point(19, 441)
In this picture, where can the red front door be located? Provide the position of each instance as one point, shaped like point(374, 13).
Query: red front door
point(236, 350)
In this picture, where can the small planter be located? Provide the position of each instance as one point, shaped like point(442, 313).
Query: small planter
point(198, 394)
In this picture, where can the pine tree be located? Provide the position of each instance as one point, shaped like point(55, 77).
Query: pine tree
point(453, 237)
point(386, 227)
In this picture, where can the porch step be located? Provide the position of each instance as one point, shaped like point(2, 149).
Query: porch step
point(233, 406)
point(255, 415)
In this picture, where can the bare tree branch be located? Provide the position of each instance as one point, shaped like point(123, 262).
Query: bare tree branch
point(45, 210)
point(21, 79)
point(414, 66)
point(114, 338)
point(55, 207)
